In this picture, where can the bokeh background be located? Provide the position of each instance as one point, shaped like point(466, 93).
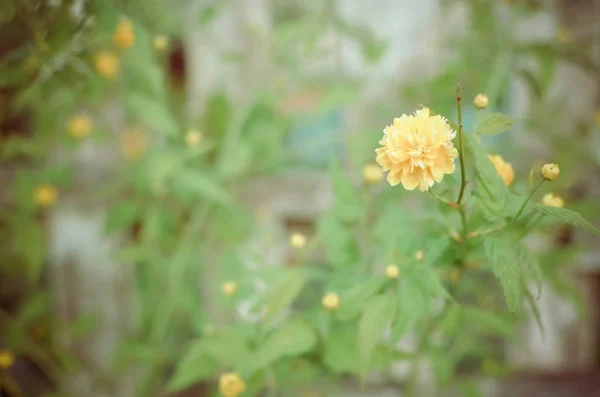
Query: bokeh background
point(152, 149)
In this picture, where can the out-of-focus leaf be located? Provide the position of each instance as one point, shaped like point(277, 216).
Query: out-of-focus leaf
point(493, 123)
point(503, 256)
point(153, 114)
point(283, 294)
point(191, 183)
point(353, 302)
point(568, 216)
point(122, 215)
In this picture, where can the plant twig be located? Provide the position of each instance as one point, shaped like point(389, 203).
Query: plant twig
point(528, 198)
point(463, 180)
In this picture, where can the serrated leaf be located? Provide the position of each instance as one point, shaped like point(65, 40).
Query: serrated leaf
point(493, 123)
point(153, 114)
point(503, 255)
point(568, 216)
point(412, 304)
point(195, 366)
point(283, 294)
point(338, 241)
point(291, 339)
point(377, 315)
point(353, 301)
point(121, 215)
point(491, 190)
point(340, 354)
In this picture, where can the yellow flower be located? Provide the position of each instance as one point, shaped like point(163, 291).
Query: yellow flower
point(297, 240)
point(107, 64)
point(193, 138)
point(331, 301)
point(123, 36)
point(80, 126)
point(563, 35)
point(230, 384)
point(551, 200)
point(417, 150)
point(7, 358)
point(419, 256)
point(392, 271)
point(161, 42)
point(133, 144)
point(372, 174)
point(481, 101)
point(550, 171)
point(45, 195)
point(504, 169)
point(229, 288)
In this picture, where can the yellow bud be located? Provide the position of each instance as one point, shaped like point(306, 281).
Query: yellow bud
point(563, 36)
point(133, 144)
point(123, 36)
point(550, 200)
point(392, 271)
point(229, 288)
point(231, 385)
point(504, 169)
point(79, 126)
point(193, 138)
point(45, 195)
point(107, 64)
point(7, 359)
point(297, 240)
point(481, 101)
point(372, 174)
point(550, 171)
point(419, 256)
point(331, 301)
point(161, 42)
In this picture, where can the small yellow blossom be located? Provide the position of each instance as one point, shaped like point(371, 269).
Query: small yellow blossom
point(504, 169)
point(7, 359)
point(331, 301)
point(80, 126)
point(392, 271)
point(193, 138)
point(372, 174)
point(419, 256)
point(161, 42)
point(107, 64)
point(481, 101)
point(123, 36)
point(563, 35)
point(229, 288)
point(45, 195)
point(133, 144)
point(297, 240)
point(417, 150)
point(231, 385)
point(550, 171)
point(551, 200)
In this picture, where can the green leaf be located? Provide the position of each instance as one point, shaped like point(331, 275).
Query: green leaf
point(292, 339)
point(340, 354)
point(338, 241)
point(121, 215)
point(153, 114)
point(491, 190)
point(412, 304)
point(493, 123)
point(194, 183)
point(489, 322)
point(348, 206)
point(353, 301)
point(207, 14)
point(568, 216)
point(195, 366)
point(505, 264)
point(377, 315)
point(283, 294)
point(468, 388)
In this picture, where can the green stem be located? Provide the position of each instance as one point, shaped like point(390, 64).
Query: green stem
point(528, 198)
point(463, 180)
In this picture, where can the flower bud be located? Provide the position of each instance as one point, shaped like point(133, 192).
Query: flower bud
point(481, 101)
point(7, 359)
point(419, 256)
point(123, 36)
point(550, 171)
point(79, 126)
point(229, 288)
point(107, 64)
point(372, 174)
point(193, 138)
point(504, 169)
point(550, 200)
point(231, 385)
point(392, 271)
point(331, 301)
point(298, 240)
point(161, 42)
point(45, 195)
